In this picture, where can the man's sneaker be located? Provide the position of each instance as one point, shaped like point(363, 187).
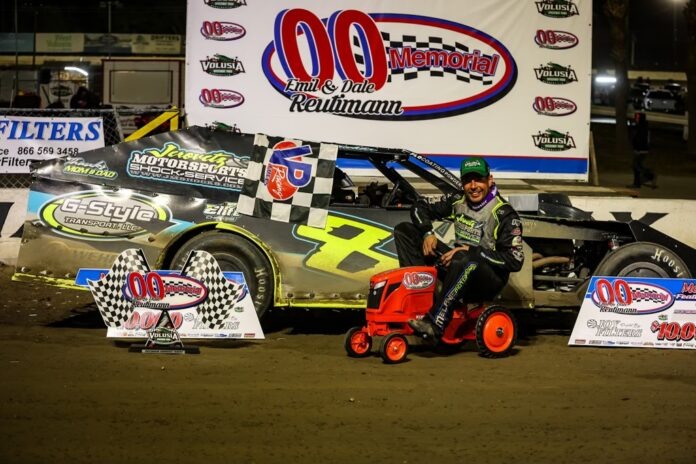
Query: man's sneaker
point(425, 328)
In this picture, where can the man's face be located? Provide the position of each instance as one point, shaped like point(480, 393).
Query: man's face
point(476, 187)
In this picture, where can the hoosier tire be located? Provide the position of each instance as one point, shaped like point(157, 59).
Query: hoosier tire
point(643, 259)
point(234, 253)
point(496, 332)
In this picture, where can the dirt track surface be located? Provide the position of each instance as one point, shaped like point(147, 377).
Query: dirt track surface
point(71, 396)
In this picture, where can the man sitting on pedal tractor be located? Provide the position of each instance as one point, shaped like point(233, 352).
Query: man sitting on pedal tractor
point(488, 244)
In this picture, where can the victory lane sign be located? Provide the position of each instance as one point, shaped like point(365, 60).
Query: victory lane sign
point(167, 306)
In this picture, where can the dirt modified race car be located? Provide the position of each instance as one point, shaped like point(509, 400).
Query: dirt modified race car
point(175, 192)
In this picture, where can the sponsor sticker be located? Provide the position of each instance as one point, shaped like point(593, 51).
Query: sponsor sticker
point(101, 215)
point(553, 140)
point(555, 74)
point(418, 280)
point(555, 40)
point(286, 173)
point(173, 163)
point(80, 167)
point(222, 31)
point(554, 106)
point(225, 4)
point(220, 98)
point(557, 8)
point(221, 65)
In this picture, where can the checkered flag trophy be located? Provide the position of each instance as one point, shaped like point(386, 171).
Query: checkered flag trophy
point(108, 294)
point(222, 293)
point(289, 181)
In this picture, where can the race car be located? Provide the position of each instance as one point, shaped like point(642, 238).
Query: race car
point(176, 192)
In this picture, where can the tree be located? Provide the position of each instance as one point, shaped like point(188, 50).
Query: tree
point(616, 12)
point(690, 13)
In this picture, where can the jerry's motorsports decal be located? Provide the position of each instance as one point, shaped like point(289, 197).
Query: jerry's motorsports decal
point(172, 163)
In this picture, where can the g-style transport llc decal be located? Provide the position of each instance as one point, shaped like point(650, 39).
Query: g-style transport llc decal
point(104, 215)
point(363, 65)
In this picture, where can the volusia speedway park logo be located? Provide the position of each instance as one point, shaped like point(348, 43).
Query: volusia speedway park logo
point(555, 74)
point(552, 140)
point(388, 66)
point(221, 65)
point(557, 8)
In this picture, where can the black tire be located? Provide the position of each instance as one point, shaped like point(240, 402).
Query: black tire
point(496, 332)
point(234, 253)
point(357, 348)
point(643, 259)
point(394, 348)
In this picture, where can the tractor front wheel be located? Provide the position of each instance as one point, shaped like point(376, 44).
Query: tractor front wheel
point(357, 343)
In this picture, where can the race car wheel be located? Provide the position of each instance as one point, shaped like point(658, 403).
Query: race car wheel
point(234, 253)
point(394, 348)
point(357, 343)
point(496, 332)
point(643, 259)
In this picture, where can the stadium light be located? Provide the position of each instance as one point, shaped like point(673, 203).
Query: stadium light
point(77, 70)
point(605, 80)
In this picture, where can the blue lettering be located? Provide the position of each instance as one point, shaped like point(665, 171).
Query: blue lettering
point(299, 173)
point(57, 131)
point(13, 131)
point(25, 131)
point(75, 129)
point(3, 125)
point(93, 128)
point(41, 126)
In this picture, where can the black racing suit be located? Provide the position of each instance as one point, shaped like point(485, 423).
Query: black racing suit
point(493, 234)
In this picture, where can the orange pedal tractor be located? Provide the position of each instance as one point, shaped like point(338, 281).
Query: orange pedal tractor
point(407, 293)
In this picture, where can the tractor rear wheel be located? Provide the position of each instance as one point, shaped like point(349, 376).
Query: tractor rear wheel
point(394, 348)
point(496, 332)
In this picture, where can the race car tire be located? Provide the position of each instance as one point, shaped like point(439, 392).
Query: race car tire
point(643, 259)
point(234, 253)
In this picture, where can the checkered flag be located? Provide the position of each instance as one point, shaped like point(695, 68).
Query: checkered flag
point(108, 294)
point(222, 294)
point(432, 43)
point(289, 181)
point(648, 295)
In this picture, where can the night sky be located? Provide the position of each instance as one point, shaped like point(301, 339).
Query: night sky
point(652, 32)
point(651, 23)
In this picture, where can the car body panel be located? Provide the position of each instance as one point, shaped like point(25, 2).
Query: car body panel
point(82, 212)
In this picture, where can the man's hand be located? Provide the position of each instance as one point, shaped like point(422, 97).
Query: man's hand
point(429, 245)
point(446, 259)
